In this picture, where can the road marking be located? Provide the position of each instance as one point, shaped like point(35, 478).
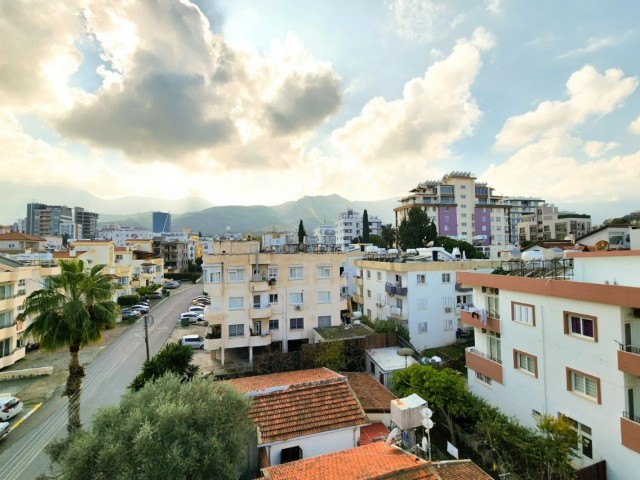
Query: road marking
point(25, 417)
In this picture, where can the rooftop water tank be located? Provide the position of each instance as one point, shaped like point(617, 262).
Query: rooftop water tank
point(531, 255)
point(554, 253)
point(510, 255)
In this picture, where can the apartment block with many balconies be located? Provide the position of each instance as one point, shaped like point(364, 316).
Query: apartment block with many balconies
point(564, 347)
point(261, 299)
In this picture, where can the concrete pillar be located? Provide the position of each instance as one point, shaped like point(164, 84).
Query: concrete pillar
point(222, 356)
point(251, 356)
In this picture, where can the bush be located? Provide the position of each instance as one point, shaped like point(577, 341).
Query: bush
point(146, 290)
point(184, 277)
point(127, 300)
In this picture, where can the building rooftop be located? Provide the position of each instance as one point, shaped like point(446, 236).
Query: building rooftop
point(344, 332)
point(253, 385)
point(389, 360)
point(290, 410)
point(374, 461)
point(376, 432)
point(373, 396)
point(460, 470)
point(21, 237)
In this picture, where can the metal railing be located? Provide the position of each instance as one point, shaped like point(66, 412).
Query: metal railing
point(631, 417)
point(629, 348)
point(484, 355)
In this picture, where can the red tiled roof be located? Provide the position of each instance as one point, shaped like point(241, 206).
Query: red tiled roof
point(120, 249)
point(373, 396)
point(374, 461)
point(21, 236)
point(263, 382)
point(460, 470)
point(295, 404)
point(373, 433)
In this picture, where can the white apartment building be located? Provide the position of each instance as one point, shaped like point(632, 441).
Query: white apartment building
point(420, 292)
point(546, 223)
point(460, 208)
point(262, 298)
point(520, 206)
point(565, 347)
point(348, 226)
point(17, 281)
point(119, 235)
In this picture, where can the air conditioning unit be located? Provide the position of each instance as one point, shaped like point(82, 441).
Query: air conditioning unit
point(484, 289)
point(298, 307)
point(379, 305)
point(448, 309)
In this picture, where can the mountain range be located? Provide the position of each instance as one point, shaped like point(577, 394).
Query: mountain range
point(312, 210)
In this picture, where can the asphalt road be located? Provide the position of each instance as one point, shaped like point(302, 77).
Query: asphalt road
point(22, 453)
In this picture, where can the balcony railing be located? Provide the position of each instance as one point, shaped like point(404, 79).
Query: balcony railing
point(484, 364)
point(475, 319)
point(629, 359)
point(632, 417)
point(630, 431)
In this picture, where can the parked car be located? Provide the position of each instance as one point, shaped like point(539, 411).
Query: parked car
point(9, 406)
point(140, 307)
point(196, 308)
point(192, 316)
point(202, 301)
point(194, 341)
point(157, 294)
point(4, 429)
point(127, 312)
point(171, 285)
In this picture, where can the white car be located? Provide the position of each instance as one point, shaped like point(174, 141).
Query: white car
point(9, 407)
point(194, 341)
point(192, 316)
point(4, 429)
point(140, 308)
point(196, 309)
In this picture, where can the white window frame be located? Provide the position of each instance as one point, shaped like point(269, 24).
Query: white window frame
point(272, 271)
point(296, 272)
point(523, 313)
point(235, 274)
point(584, 385)
point(446, 278)
point(324, 297)
point(421, 279)
point(324, 318)
point(236, 330)
point(296, 298)
point(236, 303)
point(423, 327)
point(323, 271)
point(483, 379)
point(299, 323)
point(447, 325)
point(215, 276)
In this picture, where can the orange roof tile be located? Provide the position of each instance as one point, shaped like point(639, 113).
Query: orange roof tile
point(294, 404)
point(374, 461)
point(373, 396)
point(21, 236)
point(373, 433)
point(297, 377)
point(460, 470)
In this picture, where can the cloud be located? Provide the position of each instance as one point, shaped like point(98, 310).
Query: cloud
point(494, 6)
point(634, 127)
point(590, 93)
point(37, 53)
point(420, 20)
point(172, 89)
point(594, 44)
point(597, 149)
point(433, 112)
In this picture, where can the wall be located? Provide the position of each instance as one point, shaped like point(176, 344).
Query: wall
point(319, 444)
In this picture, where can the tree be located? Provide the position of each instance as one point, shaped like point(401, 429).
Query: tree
point(388, 233)
point(416, 230)
point(71, 311)
point(330, 355)
point(169, 429)
point(173, 358)
point(378, 241)
point(365, 227)
point(445, 390)
point(301, 233)
point(389, 325)
point(449, 244)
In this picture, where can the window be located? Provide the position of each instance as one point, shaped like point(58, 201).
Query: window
point(581, 326)
point(585, 446)
point(368, 293)
point(272, 272)
point(463, 196)
point(368, 274)
point(296, 298)
point(236, 303)
point(379, 276)
point(5, 347)
point(423, 327)
point(295, 273)
point(215, 276)
point(5, 291)
point(22, 282)
point(421, 279)
point(6, 319)
point(369, 313)
point(372, 368)
point(235, 275)
point(324, 321)
point(273, 298)
point(448, 325)
point(463, 215)
point(446, 278)
point(421, 304)
point(324, 297)
point(494, 349)
point(493, 307)
point(324, 271)
point(290, 454)
point(525, 362)
point(296, 323)
point(274, 324)
point(523, 313)
point(483, 379)
point(236, 330)
point(583, 384)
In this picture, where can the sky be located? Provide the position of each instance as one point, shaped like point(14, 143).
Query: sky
point(244, 102)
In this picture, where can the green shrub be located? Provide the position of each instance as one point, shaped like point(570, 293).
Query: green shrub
point(127, 300)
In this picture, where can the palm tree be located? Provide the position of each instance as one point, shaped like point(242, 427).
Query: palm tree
point(71, 311)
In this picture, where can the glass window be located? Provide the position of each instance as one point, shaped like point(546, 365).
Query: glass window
point(274, 324)
point(295, 273)
point(324, 321)
point(236, 275)
point(582, 326)
point(527, 363)
point(272, 272)
point(236, 330)
point(324, 297)
point(324, 271)
point(584, 384)
point(273, 298)
point(483, 379)
point(215, 276)
point(522, 313)
point(296, 298)
point(236, 303)
point(379, 275)
point(296, 323)
point(421, 279)
point(423, 327)
point(446, 278)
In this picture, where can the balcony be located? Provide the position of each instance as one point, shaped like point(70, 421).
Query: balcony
point(468, 318)
point(358, 281)
point(630, 431)
point(390, 289)
point(483, 364)
point(16, 355)
point(629, 360)
point(359, 299)
point(261, 340)
point(258, 312)
point(398, 313)
point(211, 343)
point(259, 283)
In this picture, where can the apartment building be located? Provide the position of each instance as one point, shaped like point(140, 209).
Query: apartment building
point(87, 222)
point(49, 219)
point(17, 281)
point(418, 291)
point(348, 226)
point(520, 206)
point(13, 242)
point(261, 298)
point(161, 222)
point(174, 251)
point(546, 223)
point(564, 347)
point(120, 235)
point(461, 208)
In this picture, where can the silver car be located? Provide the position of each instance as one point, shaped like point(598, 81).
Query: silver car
point(9, 407)
point(194, 341)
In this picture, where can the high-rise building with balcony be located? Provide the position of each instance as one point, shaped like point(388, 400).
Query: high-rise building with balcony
point(48, 220)
point(546, 223)
point(348, 226)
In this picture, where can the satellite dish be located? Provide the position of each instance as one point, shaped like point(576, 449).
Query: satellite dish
point(602, 245)
point(392, 435)
point(430, 244)
point(427, 423)
point(427, 413)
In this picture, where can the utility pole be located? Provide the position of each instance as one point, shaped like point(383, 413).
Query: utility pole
point(148, 321)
